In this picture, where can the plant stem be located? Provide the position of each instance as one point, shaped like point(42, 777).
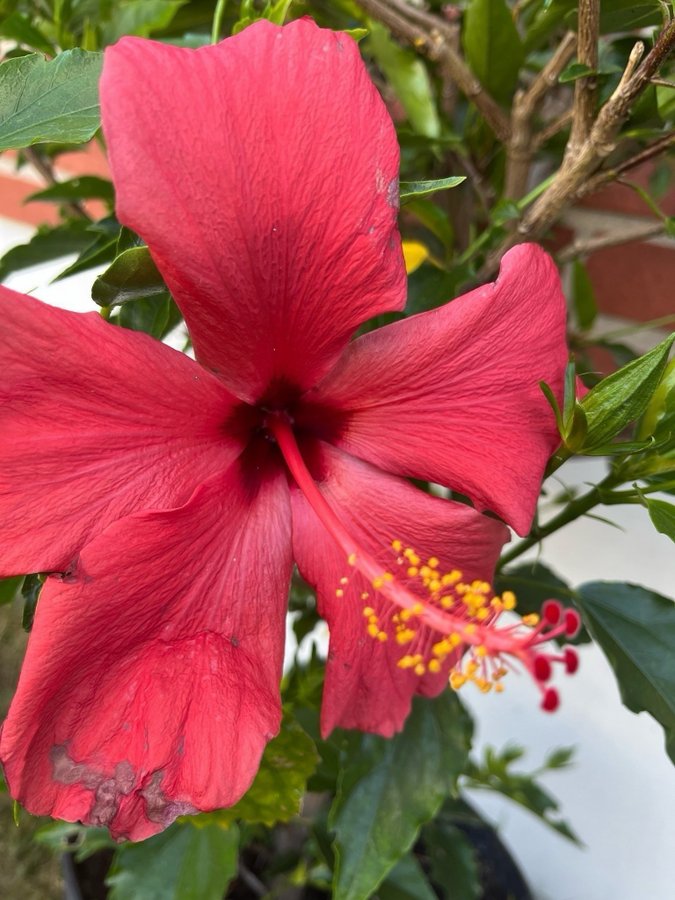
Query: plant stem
point(217, 25)
point(572, 511)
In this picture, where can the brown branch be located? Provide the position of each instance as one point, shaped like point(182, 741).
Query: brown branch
point(586, 88)
point(585, 246)
point(602, 140)
point(521, 146)
point(607, 175)
point(432, 36)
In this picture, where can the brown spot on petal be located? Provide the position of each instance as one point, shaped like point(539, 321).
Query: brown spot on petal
point(160, 808)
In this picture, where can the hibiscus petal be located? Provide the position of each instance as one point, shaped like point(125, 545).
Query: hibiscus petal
point(453, 395)
point(151, 682)
point(262, 172)
point(364, 687)
point(96, 422)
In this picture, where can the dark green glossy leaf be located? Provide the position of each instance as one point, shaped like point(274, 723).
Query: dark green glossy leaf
point(9, 588)
point(100, 249)
point(49, 100)
point(184, 862)
point(635, 628)
point(68, 837)
point(406, 881)
point(409, 78)
point(86, 187)
point(492, 46)
point(391, 788)
point(453, 866)
point(278, 788)
point(46, 244)
point(18, 28)
point(132, 276)
point(623, 396)
point(408, 190)
point(156, 316)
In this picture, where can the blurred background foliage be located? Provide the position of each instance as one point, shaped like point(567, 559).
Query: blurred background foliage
point(509, 115)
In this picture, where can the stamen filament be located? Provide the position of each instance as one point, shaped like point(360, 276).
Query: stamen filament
point(391, 589)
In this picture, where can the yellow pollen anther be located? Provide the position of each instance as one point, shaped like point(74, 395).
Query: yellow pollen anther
point(373, 630)
point(499, 688)
point(470, 628)
point(377, 583)
point(365, 595)
point(372, 619)
point(351, 559)
point(531, 620)
point(434, 585)
point(339, 593)
point(433, 562)
point(387, 576)
point(454, 639)
point(509, 600)
point(481, 650)
point(368, 610)
point(413, 571)
point(456, 680)
point(447, 602)
point(344, 580)
point(420, 669)
point(404, 636)
point(382, 636)
point(434, 666)
point(397, 546)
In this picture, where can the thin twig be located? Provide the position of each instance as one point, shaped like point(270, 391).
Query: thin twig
point(585, 246)
point(432, 36)
point(606, 175)
point(570, 179)
point(521, 146)
point(585, 88)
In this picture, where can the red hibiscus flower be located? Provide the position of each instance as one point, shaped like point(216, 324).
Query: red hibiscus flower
point(169, 498)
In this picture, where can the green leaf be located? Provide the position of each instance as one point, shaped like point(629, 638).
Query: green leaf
point(453, 866)
point(583, 296)
point(635, 628)
point(132, 276)
point(86, 187)
point(47, 243)
point(406, 881)
point(492, 46)
point(9, 588)
point(495, 774)
point(659, 416)
point(139, 17)
point(409, 78)
point(279, 786)
point(390, 789)
point(574, 71)
point(18, 28)
point(49, 100)
point(30, 591)
point(156, 316)
point(181, 863)
point(662, 515)
point(623, 396)
point(409, 190)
